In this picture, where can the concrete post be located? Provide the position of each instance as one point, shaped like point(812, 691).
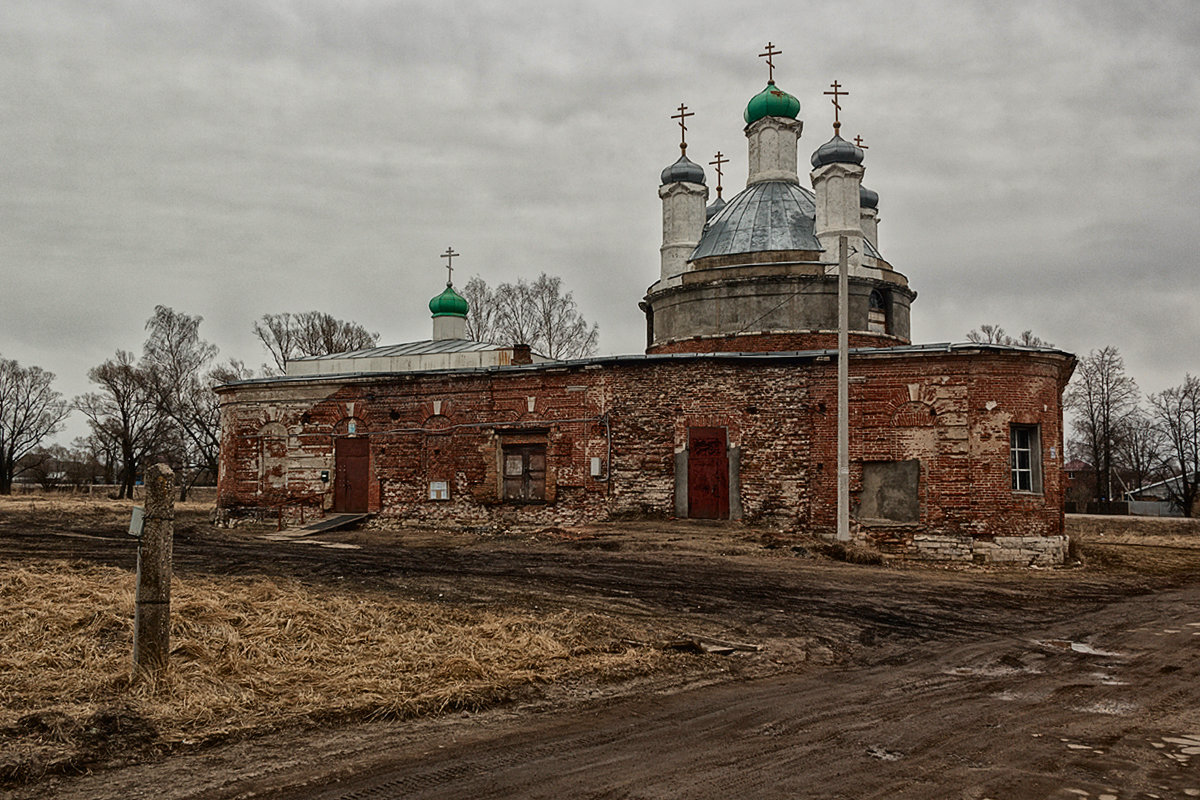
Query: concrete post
point(843, 393)
point(152, 611)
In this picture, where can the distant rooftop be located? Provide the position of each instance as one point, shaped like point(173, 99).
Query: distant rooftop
point(421, 348)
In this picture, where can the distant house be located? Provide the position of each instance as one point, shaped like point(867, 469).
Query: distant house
point(1080, 484)
point(1157, 499)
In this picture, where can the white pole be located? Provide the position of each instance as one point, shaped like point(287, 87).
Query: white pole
point(843, 391)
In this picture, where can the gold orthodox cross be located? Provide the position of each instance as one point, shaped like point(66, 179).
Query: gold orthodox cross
point(682, 117)
point(717, 162)
point(769, 56)
point(837, 92)
point(449, 256)
point(858, 140)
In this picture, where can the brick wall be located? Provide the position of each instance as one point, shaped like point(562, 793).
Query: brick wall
point(952, 411)
point(774, 342)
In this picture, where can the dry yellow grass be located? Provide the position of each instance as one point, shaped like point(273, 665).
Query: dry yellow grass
point(250, 654)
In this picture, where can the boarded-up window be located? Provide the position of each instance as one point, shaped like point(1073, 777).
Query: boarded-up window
point(524, 472)
point(890, 491)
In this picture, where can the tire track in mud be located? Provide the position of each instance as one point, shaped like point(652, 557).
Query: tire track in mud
point(1026, 716)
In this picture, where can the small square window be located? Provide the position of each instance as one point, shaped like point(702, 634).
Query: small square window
point(1025, 458)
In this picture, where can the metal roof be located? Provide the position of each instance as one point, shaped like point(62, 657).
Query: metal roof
point(773, 215)
point(423, 347)
point(596, 362)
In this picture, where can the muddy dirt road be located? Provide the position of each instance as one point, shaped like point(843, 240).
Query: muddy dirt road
point(872, 681)
point(1084, 711)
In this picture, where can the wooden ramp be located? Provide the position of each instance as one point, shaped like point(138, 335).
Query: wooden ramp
point(334, 522)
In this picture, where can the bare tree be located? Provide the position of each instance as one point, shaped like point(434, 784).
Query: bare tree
point(179, 366)
point(1141, 450)
point(1102, 398)
point(30, 410)
point(1177, 413)
point(277, 335)
point(481, 310)
point(100, 454)
point(309, 333)
point(318, 334)
point(125, 414)
point(47, 465)
point(516, 318)
point(994, 334)
point(539, 314)
point(562, 332)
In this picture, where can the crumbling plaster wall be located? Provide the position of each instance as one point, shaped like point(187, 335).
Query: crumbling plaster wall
point(950, 411)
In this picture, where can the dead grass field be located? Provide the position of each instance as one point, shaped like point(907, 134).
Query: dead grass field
point(286, 636)
point(251, 655)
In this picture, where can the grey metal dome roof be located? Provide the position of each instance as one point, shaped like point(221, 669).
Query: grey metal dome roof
point(683, 170)
point(714, 208)
point(837, 151)
point(774, 215)
point(868, 198)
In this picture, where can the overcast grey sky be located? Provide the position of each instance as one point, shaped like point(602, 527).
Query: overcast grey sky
point(1036, 161)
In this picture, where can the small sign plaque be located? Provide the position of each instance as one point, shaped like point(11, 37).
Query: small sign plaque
point(137, 521)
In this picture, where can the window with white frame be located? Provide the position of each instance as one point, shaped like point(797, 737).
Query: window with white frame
point(1026, 458)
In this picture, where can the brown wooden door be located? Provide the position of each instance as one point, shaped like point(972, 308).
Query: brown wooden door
point(708, 474)
point(350, 474)
point(525, 472)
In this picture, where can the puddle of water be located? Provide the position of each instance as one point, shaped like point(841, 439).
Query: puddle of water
point(987, 672)
point(1078, 647)
point(1112, 708)
point(1108, 680)
point(883, 754)
point(1184, 739)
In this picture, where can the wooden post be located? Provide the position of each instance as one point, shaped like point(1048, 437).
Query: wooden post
point(152, 614)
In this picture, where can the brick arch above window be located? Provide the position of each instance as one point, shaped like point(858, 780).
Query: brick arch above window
point(914, 414)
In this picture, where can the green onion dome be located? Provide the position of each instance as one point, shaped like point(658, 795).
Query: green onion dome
point(771, 102)
point(448, 304)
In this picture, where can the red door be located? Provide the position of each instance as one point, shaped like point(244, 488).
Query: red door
point(351, 459)
point(708, 474)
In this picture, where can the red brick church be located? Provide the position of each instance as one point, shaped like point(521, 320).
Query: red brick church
point(955, 449)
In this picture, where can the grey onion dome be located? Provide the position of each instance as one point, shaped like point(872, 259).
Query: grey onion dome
point(867, 198)
point(837, 151)
point(683, 170)
point(714, 208)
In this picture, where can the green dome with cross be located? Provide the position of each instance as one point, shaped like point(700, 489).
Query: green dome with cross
point(449, 304)
point(771, 102)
